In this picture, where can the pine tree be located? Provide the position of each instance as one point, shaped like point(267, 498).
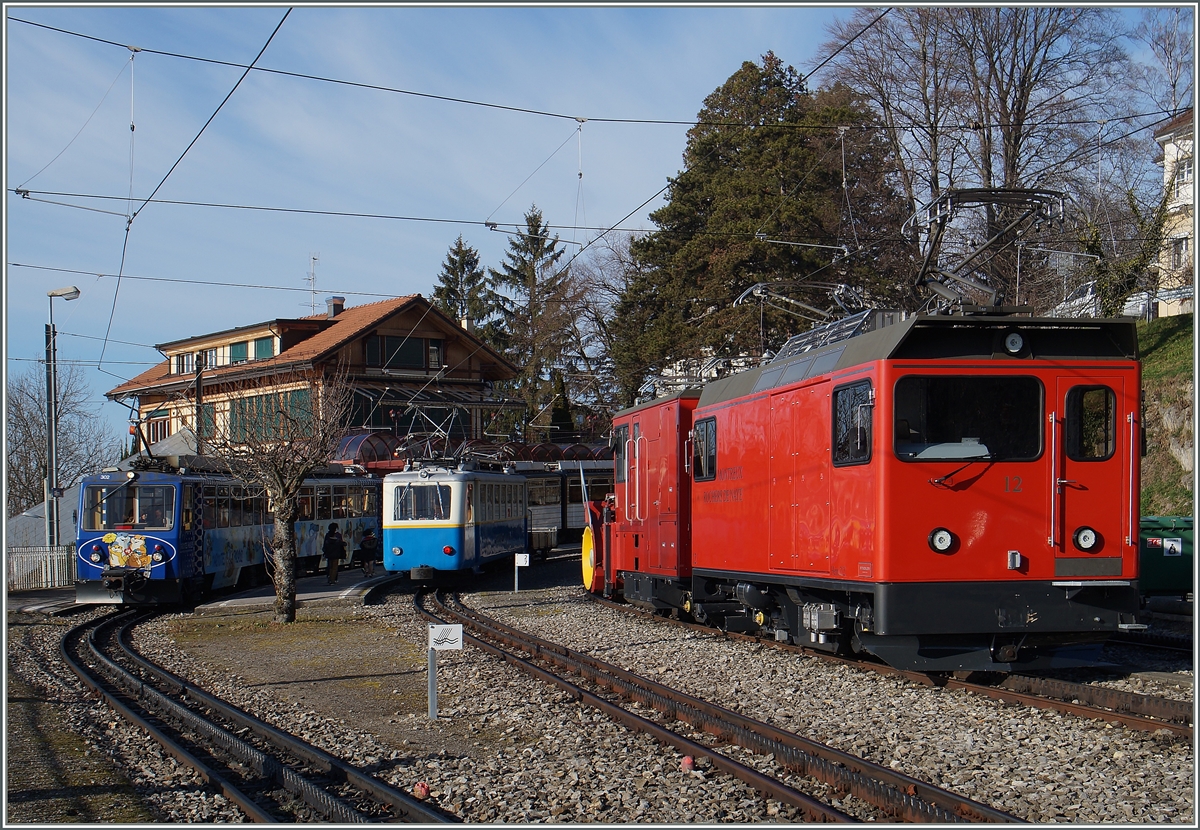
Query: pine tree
point(533, 298)
point(462, 290)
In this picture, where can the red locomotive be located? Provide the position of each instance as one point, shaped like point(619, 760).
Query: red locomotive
point(946, 492)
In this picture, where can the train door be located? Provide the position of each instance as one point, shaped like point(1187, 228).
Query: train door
point(812, 430)
point(470, 539)
point(1093, 467)
point(781, 548)
point(665, 485)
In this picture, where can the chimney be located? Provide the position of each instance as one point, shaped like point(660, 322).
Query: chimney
point(466, 324)
point(335, 305)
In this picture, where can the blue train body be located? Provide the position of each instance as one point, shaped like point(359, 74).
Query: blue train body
point(442, 518)
point(151, 538)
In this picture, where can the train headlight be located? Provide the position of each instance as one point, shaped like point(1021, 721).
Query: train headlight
point(940, 539)
point(95, 556)
point(397, 551)
point(1014, 342)
point(1085, 538)
point(449, 551)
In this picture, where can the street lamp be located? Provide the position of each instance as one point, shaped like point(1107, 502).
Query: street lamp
point(68, 293)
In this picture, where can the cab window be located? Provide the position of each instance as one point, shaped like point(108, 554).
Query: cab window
point(704, 450)
point(853, 406)
point(947, 417)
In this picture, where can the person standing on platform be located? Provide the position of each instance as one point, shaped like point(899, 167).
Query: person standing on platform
point(367, 549)
point(334, 548)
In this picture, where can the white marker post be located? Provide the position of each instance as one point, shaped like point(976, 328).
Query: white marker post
point(521, 560)
point(441, 638)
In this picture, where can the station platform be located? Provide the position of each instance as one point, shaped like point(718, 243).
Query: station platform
point(352, 588)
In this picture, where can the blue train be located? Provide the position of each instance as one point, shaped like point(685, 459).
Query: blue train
point(450, 518)
point(158, 537)
point(441, 516)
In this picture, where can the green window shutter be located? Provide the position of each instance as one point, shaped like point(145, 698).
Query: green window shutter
point(237, 352)
point(264, 348)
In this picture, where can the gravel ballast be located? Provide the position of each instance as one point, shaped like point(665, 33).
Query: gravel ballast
point(507, 748)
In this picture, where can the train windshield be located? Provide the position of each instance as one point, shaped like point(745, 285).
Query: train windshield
point(129, 506)
point(953, 416)
point(422, 501)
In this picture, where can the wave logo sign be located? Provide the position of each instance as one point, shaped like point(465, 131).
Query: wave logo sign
point(445, 637)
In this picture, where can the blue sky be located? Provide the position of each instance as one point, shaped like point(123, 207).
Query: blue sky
point(294, 143)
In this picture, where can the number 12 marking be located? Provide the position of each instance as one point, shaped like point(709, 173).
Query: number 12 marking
point(1012, 484)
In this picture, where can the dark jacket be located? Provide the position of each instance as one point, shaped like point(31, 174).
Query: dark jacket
point(367, 549)
point(334, 546)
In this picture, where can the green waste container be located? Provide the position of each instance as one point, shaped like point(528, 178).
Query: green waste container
point(1165, 556)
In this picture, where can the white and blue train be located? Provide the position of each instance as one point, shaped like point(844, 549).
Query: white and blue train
point(448, 516)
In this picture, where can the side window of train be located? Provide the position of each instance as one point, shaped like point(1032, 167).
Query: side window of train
point(1091, 423)
point(620, 438)
point(210, 507)
point(324, 503)
point(469, 503)
point(186, 504)
point(853, 407)
point(704, 450)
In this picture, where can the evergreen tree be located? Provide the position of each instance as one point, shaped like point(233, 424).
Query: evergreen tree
point(765, 197)
point(561, 421)
point(533, 299)
point(461, 290)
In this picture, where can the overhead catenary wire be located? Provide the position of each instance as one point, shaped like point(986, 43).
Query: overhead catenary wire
point(531, 175)
point(530, 111)
point(133, 215)
point(124, 66)
point(32, 195)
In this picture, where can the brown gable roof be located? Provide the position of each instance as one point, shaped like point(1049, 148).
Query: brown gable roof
point(1184, 119)
point(350, 323)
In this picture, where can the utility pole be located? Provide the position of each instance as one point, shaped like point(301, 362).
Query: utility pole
point(68, 293)
point(199, 402)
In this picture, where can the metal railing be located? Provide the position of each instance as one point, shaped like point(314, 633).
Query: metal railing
point(40, 566)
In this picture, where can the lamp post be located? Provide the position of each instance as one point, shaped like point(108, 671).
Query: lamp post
point(68, 293)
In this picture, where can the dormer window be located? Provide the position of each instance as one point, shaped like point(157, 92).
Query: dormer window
point(238, 352)
point(392, 352)
point(184, 364)
point(264, 348)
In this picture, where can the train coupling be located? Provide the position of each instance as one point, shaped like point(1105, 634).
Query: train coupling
point(123, 578)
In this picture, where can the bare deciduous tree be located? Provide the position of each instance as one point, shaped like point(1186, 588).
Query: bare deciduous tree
point(85, 444)
point(1015, 98)
point(276, 432)
point(1167, 33)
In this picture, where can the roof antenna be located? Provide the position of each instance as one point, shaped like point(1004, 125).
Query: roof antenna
point(311, 279)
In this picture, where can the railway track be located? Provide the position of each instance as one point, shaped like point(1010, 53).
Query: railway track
point(1130, 709)
point(1163, 640)
point(887, 794)
point(271, 775)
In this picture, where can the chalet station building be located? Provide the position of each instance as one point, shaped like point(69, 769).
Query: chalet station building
point(412, 370)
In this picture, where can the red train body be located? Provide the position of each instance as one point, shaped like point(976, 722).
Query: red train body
point(945, 492)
